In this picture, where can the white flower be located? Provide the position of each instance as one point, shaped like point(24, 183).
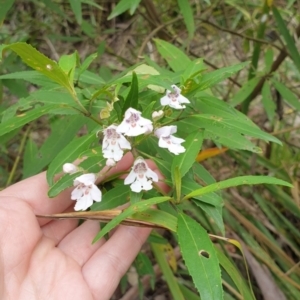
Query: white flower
point(114, 143)
point(134, 124)
point(156, 115)
point(167, 140)
point(69, 168)
point(140, 176)
point(85, 192)
point(174, 99)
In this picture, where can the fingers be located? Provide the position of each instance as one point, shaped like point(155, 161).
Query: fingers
point(104, 270)
point(78, 243)
point(56, 230)
point(34, 190)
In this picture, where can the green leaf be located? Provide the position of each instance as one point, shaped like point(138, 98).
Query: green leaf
point(89, 77)
point(133, 95)
point(68, 64)
point(244, 92)
point(177, 182)
point(30, 153)
point(122, 6)
point(113, 198)
point(214, 213)
point(161, 258)
point(41, 63)
point(241, 180)
point(193, 69)
point(236, 124)
point(268, 102)
point(219, 133)
point(189, 186)
point(158, 217)
point(5, 7)
point(144, 267)
point(62, 133)
point(62, 183)
point(187, 12)
point(175, 58)
point(287, 94)
point(87, 62)
point(200, 258)
point(212, 78)
point(32, 77)
point(290, 43)
point(24, 118)
point(59, 100)
point(138, 207)
point(184, 161)
point(69, 154)
point(234, 274)
point(76, 7)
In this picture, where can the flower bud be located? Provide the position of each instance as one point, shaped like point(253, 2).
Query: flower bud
point(110, 162)
point(156, 115)
point(69, 168)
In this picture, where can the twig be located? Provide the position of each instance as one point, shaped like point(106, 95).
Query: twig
point(21, 148)
point(241, 35)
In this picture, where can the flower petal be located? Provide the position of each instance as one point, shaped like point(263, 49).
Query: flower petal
point(123, 143)
point(182, 99)
point(151, 174)
point(136, 186)
point(86, 179)
point(95, 193)
point(84, 202)
point(165, 100)
point(147, 185)
point(130, 178)
point(176, 149)
point(123, 127)
point(76, 193)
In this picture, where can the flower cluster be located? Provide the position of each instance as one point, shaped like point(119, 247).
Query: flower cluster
point(115, 143)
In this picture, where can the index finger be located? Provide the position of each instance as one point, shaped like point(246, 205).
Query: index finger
point(34, 190)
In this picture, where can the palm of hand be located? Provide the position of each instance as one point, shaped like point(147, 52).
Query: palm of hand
point(42, 259)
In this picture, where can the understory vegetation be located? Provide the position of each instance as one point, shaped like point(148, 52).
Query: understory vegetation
point(237, 62)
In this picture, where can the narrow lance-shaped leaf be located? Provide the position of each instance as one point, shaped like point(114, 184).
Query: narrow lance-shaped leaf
point(290, 43)
point(69, 154)
point(242, 180)
point(175, 58)
point(184, 161)
point(133, 96)
point(268, 101)
point(122, 6)
point(200, 258)
point(244, 92)
point(76, 7)
point(187, 12)
point(24, 118)
point(234, 275)
point(217, 76)
point(287, 94)
point(138, 207)
point(38, 61)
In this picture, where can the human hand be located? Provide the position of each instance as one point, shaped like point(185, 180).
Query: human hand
point(43, 259)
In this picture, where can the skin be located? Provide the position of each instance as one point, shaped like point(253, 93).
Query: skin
point(43, 259)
